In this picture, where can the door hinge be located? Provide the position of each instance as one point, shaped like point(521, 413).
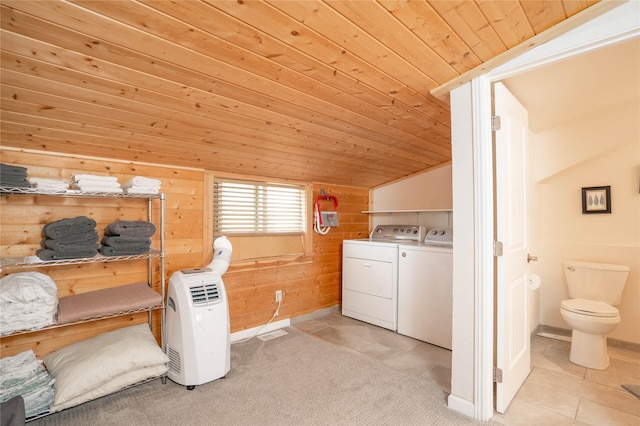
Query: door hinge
point(495, 123)
point(497, 375)
point(497, 248)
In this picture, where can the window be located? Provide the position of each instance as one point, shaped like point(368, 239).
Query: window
point(261, 219)
point(247, 207)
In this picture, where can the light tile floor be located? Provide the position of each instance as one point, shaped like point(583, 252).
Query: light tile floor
point(557, 392)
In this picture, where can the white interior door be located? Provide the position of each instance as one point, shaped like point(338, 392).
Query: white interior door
point(513, 352)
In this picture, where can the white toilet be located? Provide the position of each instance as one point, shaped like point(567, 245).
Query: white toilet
point(593, 288)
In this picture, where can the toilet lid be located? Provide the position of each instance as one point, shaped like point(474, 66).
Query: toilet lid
point(589, 307)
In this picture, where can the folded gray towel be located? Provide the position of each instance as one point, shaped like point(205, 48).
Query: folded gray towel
point(83, 238)
point(12, 169)
point(70, 226)
point(118, 240)
point(14, 181)
point(48, 254)
point(64, 247)
point(131, 228)
point(123, 250)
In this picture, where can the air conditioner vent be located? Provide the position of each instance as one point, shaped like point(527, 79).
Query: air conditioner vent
point(174, 359)
point(205, 293)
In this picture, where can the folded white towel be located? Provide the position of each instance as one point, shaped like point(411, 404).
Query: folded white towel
point(98, 188)
point(142, 181)
point(39, 180)
point(142, 190)
point(83, 176)
point(95, 182)
point(51, 186)
point(156, 187)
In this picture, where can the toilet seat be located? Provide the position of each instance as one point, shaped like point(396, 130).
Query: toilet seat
point(592, 308)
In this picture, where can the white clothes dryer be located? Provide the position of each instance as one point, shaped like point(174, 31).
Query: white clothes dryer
point(370, 274)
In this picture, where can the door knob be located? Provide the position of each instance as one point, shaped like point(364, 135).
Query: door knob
point(531, 258)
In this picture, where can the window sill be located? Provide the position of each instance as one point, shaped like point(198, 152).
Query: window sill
point(269, 262)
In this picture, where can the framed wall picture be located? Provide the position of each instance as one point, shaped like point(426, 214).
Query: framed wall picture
point(596, 199)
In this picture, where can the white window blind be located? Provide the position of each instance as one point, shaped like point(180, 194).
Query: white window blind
point(243, 207)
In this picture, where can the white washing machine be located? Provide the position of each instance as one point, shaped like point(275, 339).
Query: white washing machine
point(370, 274)
point(425, 282)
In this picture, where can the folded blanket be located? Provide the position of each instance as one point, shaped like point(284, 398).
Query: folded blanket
point(48, 254)
point(63, 227)
point(87, 237)
point(69, 247)
point(12, 169)
point(100, 302)
point(124, 250)
point(115, 241)
point(28, 300)
point(24, 381)
point(131, 228)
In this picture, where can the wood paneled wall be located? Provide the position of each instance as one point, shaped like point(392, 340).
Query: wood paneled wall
point(308, 284)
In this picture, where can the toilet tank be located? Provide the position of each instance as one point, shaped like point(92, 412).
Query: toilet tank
point(595, 281)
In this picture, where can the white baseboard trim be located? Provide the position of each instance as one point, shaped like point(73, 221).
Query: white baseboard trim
point(240, 335)
point(554, 336)
point(461, 405)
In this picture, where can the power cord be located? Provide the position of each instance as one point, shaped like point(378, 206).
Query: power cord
point(275, 314)
point(317, 227)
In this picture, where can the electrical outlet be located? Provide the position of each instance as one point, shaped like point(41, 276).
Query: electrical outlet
point(278, 295)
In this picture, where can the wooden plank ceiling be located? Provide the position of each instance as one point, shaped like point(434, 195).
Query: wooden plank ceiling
point(319, 91)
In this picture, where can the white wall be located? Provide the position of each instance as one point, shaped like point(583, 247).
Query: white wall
point(463, 397)
point(598, 150)
point(430, 190)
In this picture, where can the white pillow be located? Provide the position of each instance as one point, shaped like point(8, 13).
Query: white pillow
point(82, 367)
point(120, 382)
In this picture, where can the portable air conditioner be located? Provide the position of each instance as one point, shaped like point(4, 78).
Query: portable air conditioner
point(197, 327)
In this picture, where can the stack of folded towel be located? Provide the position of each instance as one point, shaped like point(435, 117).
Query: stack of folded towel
point(24, 375)
point(95, 183)
point(73, 238)
point(49, 184)
point(142, 185)
point(127, 237)
point(13, 176)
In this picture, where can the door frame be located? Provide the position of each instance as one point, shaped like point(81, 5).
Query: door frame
point(471, 110)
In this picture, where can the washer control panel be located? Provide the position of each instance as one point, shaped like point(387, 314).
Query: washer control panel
point(398, 232)
point(439, 236)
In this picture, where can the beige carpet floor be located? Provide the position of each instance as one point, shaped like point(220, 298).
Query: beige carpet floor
point(296, 379)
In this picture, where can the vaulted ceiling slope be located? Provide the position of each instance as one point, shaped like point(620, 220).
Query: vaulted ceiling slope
point(324, 91)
